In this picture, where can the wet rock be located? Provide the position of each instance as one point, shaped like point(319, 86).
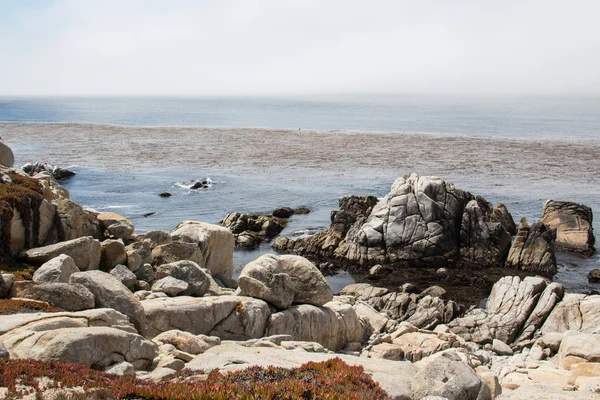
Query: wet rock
point(196, 278)
point(62, 295)
point(112, 253)
point(169, 285)
point(250, 230)
point(58, 269)
point(283, 212)
point(573, 224)
point(501, 215)
point(594, 276)
point(85, 251)
point(378, 272)
point(283, 280)
point(216, 245)
point(111, 293)
point(301, 210)
point(116, 225)
point(165, 194)
point(533, 249)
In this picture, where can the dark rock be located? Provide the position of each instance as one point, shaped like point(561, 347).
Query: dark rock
point(250, 230)
point(594, 276)
point(60, 174)
point(149, 214)
point(533, 249)
point(283, 212)
point(165, 194)
point(301, 210)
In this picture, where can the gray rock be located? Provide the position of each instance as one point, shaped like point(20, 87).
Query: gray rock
point(283, 280)
point(123, 368)
point(188, 271)
point(110, 292)
point(74, 222)
point(501, 348)
point(112, 254)
point(176, 251)
point(169, 285)
point(145, 273)
point(85, 251)
point(62, 295)
point(58, 269)
point(6, 282)
point(124, 275)
point(187, 342)
point(533, 249)
point(594, 276)
point(7, 157)
point(3, 352)
point(156, 238)
point(116, 225)
point(143, 248)
point(573, 224)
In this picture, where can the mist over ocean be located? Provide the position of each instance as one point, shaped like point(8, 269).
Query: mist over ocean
point(308, 152)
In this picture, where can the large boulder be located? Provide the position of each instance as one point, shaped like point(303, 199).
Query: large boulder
point(97, 347)
point(62, 295)
point(483, 243)
point(283, 280)
point(333, 325)
point(215, 242)
point(515, 310)
point(175, 251)
point(7, 158)
point(112, 254)
point(576, 312)
point(170, 286)
point(197, 279)
point(124, 275)
point(573, 224)
point(584, 346)
point(111, 293)
point(58, 269)
point(116, 226)
point(74, 222)
point(85, 251)
point(533, 249)
point(228, 317)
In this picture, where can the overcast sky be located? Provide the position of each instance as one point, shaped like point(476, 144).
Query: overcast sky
point(288, 47)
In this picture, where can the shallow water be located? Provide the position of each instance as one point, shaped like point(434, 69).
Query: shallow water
point(123, 169)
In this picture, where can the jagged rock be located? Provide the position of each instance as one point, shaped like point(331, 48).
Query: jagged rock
point(112, 254)
point(7, 158)
point(576, 312)
point(116, 226)
point(573, 224)
point(187, 342)
point(6, 282)
point(332, 325)
point(96, 347)
point(58, 173)
point(197, 279)
point(85, 251)
point(501, 215)
point(516, 308)
point(250, 230)
point(353, 212)
point(215, 243)
point(533, 249)
point(243, 316)
point(58, 269)
point(74, 222)
point(143, 248)
point(62, 295)
point(483, 243)
point(110, 292)
point(283, 280)
point(176, 251)
point(169, 285)
point(124, 275)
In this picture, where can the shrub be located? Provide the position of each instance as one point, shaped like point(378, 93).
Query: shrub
point(332, 379)
point(10, 306)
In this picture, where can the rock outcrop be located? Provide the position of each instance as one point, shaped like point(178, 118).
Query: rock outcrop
point(573, 224)
point(283, 280)
point(250, 230)
point(533, 249)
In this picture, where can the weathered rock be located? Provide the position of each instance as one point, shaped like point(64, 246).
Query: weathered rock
point(215, 243)
point(533, 249)
point(176, 251)
point(501, 215)
point(205, 315)
point(61, 295)
point(249, 230)
point(573, 224)
point(483, 243)
point(6, 282)
point(333, 325)
point(187, 342)
point(47, 231)
point(123, 368)
point(169, 285)
point(85, 251)
point(283, 280)
point(446, 375)
point(189, 272)
point(156, 238)
point(124, 275)
point(143, 248)
point(283, 212)
point(594, 276)
point(93, 347)
point(576, 312)
point(516, 308)
point(58, 173)
point(58, 269)
point(116, 226)
point(7, 157)
point(374, 321)
point(110, 292)
point(145, 273)
point(112, 254)
point(74, 222)
point(583, 345)
point(501, 348)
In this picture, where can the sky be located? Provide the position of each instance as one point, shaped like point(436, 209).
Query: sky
point(298, 47)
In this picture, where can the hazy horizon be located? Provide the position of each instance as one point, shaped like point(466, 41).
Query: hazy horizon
point(150, 48)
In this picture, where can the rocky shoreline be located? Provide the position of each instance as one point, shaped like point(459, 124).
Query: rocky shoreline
point(161, 302)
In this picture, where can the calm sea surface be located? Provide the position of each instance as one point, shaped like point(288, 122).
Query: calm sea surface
point(134, 194)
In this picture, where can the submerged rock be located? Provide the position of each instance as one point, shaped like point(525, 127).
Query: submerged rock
point(573, 224)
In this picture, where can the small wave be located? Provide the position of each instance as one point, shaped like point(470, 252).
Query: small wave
point(196, 184)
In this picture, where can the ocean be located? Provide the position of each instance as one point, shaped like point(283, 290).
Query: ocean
point(265, 153)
